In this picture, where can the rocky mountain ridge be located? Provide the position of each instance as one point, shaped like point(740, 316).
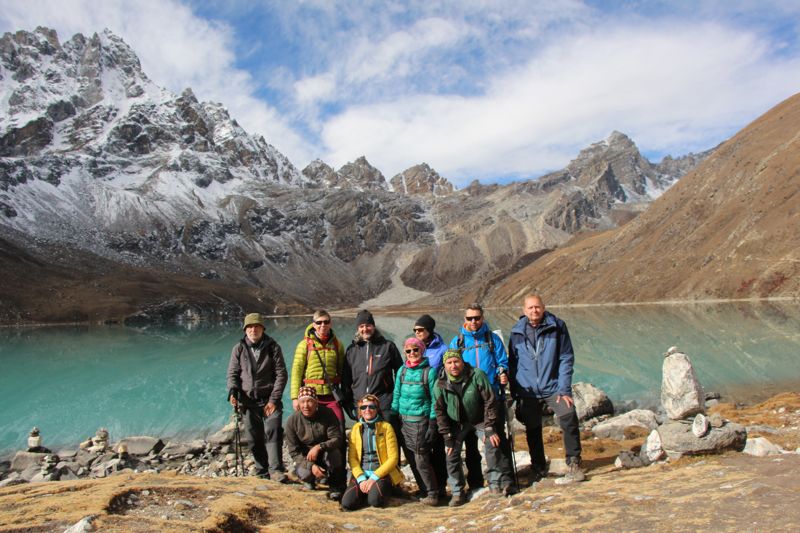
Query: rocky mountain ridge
point(727, 230)
point(96, 158)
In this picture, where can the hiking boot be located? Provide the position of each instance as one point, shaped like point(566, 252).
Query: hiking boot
point(457, 500)
point(308, 485)
point(574, 474)
point(335, 495)
point(508, 491)
point(280, 477)
point(430, 499)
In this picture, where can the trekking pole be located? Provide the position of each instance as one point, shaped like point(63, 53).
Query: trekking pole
point(510, 435)
point(237, 443)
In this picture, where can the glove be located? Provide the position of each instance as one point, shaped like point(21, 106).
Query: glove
point(236, 394)
point(430, 434)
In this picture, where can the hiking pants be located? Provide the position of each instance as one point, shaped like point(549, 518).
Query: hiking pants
point(332, 462)
point(498, 465)
point(354, 499)
point(529, 412)
point(416, 447)
point(265, 434)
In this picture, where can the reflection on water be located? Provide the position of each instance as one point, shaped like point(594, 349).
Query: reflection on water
point(168, 381)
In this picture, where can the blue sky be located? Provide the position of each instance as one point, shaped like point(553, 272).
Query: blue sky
point(493, 90)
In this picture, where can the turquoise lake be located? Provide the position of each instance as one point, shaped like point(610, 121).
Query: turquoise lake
point(170, 382)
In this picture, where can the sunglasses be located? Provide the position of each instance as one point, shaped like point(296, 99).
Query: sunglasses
point(473, 318)
point(412, 350)
point(368, 406)
point(321, 322)
point(417, 330)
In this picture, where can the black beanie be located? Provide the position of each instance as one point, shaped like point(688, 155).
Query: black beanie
point(364, 317)
point(427, 322)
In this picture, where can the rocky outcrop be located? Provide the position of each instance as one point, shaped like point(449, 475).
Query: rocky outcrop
point(421, 180)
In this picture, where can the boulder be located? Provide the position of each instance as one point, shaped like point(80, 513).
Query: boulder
point(677, 439)
point(681, 392)
point(630, 460)
point(23, 460)
point(590, 401)
point(761, 447)
point(614, 428)
point(141, 445)
point(225, 435)
point(184, 448)
point(13, 479)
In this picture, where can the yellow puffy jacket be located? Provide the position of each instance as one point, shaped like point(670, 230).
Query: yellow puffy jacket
point(388, 452)
point(306, 365)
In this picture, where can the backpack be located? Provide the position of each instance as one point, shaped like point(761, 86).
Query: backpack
point(488, 338)
point(424, 381)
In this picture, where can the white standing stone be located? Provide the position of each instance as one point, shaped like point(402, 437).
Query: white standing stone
point(652, 446)
point(700, 426)
point(681, 393)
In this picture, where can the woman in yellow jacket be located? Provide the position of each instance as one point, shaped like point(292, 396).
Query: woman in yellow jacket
point(373, 455)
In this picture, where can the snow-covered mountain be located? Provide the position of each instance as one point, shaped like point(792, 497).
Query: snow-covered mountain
point(97, 159)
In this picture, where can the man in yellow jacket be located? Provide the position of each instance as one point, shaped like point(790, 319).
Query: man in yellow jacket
point(318, 363)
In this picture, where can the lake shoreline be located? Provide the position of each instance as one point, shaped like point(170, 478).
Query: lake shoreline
point(706, 491)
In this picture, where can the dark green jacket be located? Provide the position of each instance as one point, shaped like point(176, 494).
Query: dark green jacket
point(474, 405)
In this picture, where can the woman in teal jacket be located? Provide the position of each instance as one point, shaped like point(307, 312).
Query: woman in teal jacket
point(413, 401)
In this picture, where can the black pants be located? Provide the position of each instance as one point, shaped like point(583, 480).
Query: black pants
point(265, 434)
point(529, 412)
point(354, 499)
point(473, 461)
point(418, 453)
point(332, 462)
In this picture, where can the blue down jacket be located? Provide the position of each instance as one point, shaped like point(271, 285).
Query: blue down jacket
point(540, 359)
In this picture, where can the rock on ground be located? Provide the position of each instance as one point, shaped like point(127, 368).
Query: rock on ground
point(590, 401)
point(677, 439)
point(614, 428)
point(761, 447)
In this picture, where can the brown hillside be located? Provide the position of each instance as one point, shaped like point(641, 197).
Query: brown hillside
point(730, 229)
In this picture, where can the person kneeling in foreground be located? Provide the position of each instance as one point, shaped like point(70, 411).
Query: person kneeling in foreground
point(373, 456)
point(314, 440)
point(464, 402)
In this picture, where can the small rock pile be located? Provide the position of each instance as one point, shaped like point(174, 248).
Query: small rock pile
point(96, 457)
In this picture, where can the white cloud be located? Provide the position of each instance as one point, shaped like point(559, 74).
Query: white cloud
point(665, 85)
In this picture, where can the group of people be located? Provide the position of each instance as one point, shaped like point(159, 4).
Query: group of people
point(431, 403)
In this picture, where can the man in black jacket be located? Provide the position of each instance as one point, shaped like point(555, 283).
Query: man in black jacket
point(371, 362)
point(256, 379)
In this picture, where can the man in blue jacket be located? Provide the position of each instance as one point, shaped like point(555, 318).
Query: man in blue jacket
point(541, 364)
point(482, 348)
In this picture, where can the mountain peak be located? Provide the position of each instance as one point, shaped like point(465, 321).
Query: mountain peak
point(421, 180)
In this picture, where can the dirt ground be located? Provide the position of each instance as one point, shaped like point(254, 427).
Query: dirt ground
point(728, 492)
